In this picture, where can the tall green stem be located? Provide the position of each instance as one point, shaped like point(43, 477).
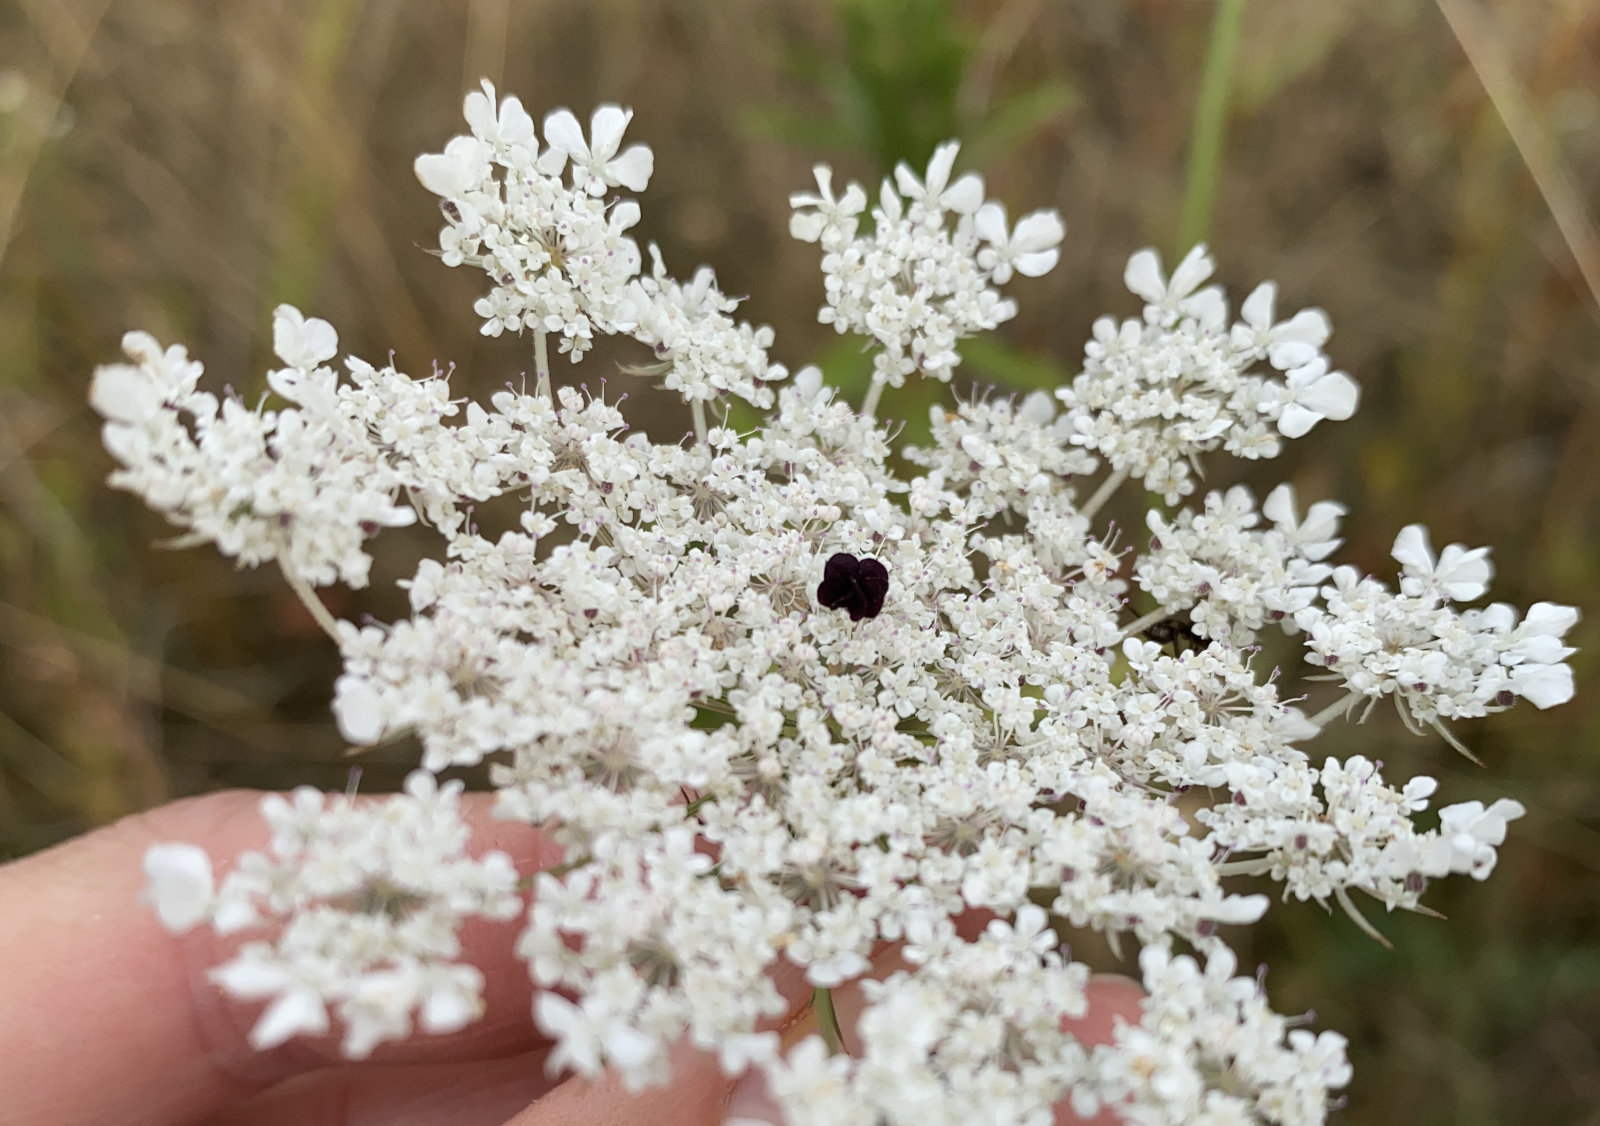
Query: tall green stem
point(1210, 124)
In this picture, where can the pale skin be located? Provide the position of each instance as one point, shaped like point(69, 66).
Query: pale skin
point(107, 1018)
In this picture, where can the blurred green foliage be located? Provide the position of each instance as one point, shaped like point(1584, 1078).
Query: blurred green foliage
point(184, 167)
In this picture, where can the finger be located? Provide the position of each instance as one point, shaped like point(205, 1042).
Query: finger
point(478, 1093)
point(697, 1095)
point(114, 1013)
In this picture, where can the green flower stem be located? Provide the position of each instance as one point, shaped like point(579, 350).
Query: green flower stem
point(827, 1020)
point(1210, 123)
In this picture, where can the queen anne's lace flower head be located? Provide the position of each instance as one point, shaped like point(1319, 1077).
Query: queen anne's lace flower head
point(780, 700)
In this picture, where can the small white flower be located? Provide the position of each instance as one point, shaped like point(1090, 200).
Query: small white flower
point(1317, 537)
point(1312, 393)
point(300, 342)
point(1461, 574)
point(1030, 249)
point(1181, 294)
point(1474, 833)
point(936, 192)
point(820, 211)
point(596, 164)
point(510, 127)
point(1288, 344)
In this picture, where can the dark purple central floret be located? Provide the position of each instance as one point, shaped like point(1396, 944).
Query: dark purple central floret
point(856, 585)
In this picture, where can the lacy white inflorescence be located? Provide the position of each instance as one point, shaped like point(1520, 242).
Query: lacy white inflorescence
point(781, 702)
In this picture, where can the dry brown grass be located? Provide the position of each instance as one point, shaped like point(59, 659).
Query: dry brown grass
point(185, 166)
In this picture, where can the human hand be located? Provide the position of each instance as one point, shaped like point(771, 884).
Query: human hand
point(107, 1018)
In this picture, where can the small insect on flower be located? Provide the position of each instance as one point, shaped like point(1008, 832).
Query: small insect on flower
point(856, 585)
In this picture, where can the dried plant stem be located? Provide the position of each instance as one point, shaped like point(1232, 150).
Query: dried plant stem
point(1103, 494)
point(869, 406)
point(312, 603)
point(1538, 153)
point(1336, 709)
point(1145, 621)
point(541, 363)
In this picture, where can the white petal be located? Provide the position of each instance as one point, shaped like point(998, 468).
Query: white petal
point(450, 1007)
point(633, 168)
point(965, 195)
point(249, 978)
point(1296, 421)
point(944, 159)
point(808, 381)
point(300, 341)
point(359, 711)
point(516, 126)
point(989, 223)
point(1544, 686)
point(1550, 618)
point(807, 226)
point(605, 130)
point(295, 1013)
point(442, 175)
point(562, 131)
point(1240, 909)
point(1322, 521)
point(1308, 326)
point(1209, 307)
point(1257, 308)
point(626, 213)
point(1506, 809)
point(123, 393)
point(1038, 230)
point(1036, 408)
point(890, 202)
point(1290, 354)
point(1036, 264)
point(1195, 268)
point(629, 1048)
point(478, 109)
point(178, 884)
point(1411, 549)
point(1279, 508)
point(1333, 396)
point(1143, 276)
point(906, 181)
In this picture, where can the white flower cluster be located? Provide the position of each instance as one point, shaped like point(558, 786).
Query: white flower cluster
point(301, 485)
point(780, 702)
point(915, 286)
point(1157, 392)
point(1232, 579)
point(1436, 662)
point(1207, 1023)
point(370, 896)
point(559, 258)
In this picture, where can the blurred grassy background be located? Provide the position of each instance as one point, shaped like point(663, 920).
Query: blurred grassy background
point(184, 167)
